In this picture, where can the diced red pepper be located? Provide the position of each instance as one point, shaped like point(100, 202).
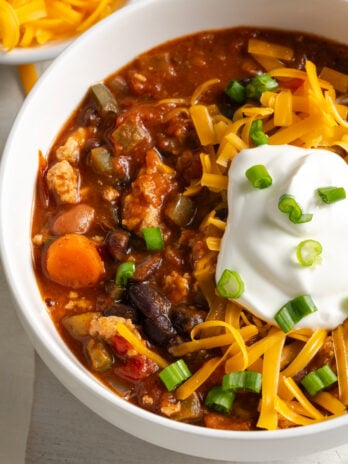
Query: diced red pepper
point(136, 368)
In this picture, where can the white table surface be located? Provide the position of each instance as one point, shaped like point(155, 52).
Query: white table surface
point(40, 421)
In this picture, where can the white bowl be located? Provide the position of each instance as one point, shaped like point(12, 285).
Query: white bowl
point(93, 56)
point(38, 53)
point(45, 52)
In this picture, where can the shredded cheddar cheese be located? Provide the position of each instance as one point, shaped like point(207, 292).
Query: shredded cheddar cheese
point(202, 374)
point(288, 412)
point(307, 406)
point(36, 22)
point(213, 341)
point(264, 48)
point(268, 418)
point(329, 402)
point(139, 345)
point(339, 337)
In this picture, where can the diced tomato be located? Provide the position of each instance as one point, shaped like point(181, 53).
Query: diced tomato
point(136, 368)
point(293, 84)
point(120, 345)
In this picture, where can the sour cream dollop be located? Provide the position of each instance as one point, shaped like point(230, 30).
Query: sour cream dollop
point(260, 241)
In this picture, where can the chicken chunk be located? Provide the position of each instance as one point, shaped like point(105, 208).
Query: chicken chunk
point(63, 181)
point(70, 151)
point(142, 206)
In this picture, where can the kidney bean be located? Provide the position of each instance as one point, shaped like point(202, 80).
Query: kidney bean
point(77, 219)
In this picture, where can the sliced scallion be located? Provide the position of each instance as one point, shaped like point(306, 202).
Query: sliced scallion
point(153, 238)
point(230, 284)
point(258, 176)
point(220, 400)
point(242, 380)
point(174, 374)
point(257, 135)
point(260, 84)
point(293, 311)
point(319, 379)
point(288, 205)
point(331, 194)
point(124, 272)
point(308, 252)
point(236, 91)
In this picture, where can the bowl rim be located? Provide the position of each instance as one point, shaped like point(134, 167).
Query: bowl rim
point(35, 54)
point(46, 346)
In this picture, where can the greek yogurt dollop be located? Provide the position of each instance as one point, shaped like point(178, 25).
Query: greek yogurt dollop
point(260, 241)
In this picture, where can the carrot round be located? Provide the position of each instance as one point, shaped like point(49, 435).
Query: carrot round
point(73, 261)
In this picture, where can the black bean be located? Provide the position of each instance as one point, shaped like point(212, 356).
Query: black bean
point(145, 267)
point(122, 310)
point(117, 243)
point(148, 300)
point(160, 330)
point(185, 317)
point(155, 307)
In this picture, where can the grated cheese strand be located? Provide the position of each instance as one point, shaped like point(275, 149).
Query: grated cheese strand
point(139, 345)
point(254, 352)
point(214, 341)
point(301, 398)
point(262, 47)
point(329, 402)
point(288, 413)
point(268, 418)
point(339, 336)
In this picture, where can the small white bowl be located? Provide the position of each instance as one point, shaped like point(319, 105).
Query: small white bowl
point(99, 52)
point(45, 52)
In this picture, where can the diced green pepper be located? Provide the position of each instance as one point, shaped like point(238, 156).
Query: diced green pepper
point(99, 354)
point(105, 100)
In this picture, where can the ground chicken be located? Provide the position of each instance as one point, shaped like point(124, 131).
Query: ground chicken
point(177, 286)
point(63, 181)
point(110, 194)
point(70, 151)
point(105, 327)
point(142, 206)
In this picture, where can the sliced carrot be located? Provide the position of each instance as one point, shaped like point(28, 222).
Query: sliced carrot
point(73, 261)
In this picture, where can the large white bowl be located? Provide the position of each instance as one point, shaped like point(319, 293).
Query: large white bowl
point(102, 50)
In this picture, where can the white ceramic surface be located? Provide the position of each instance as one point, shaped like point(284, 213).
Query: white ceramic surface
point(33, 54)
point(93, 56)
